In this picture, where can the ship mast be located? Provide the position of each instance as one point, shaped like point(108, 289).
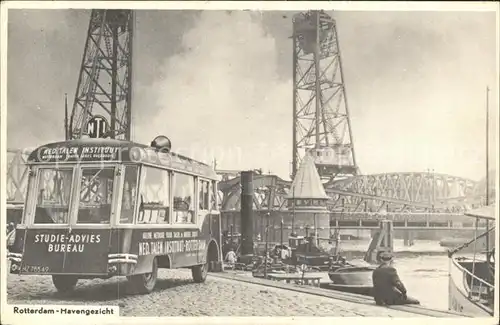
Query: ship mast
point(487, 148)
point(487, 176)
point(487, 241)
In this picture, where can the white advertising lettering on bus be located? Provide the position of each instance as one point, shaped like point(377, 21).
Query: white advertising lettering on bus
point(80, 153)
point(62, 243)
point(171, 247)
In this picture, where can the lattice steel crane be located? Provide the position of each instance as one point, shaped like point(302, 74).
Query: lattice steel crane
point(321, 122)
point(104, 84)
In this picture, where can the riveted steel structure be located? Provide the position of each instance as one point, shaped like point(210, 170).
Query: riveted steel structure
point(269, 193)
point(104, 84)
point(404, 192)
point(17, 176)
point(320, 112)
point(380, 193)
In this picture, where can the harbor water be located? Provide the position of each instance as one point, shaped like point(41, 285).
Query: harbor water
point(425, 278)
point(423, 268)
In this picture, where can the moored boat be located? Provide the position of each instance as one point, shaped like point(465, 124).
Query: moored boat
point(471, 289)
point(261, 270)
point(471, 286)
point(352, 278)
point(260, 273)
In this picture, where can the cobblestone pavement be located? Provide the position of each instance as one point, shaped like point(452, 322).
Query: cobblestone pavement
point(177, 295)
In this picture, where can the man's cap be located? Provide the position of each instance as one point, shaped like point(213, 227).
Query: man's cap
point(385, 256)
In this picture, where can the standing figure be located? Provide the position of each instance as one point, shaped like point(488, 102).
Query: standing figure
point(231, 258)
point(387, 286)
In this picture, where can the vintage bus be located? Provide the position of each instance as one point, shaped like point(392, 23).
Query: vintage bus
point(98, 208)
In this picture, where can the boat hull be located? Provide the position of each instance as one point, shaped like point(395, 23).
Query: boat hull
point(365, 290)
point(354, 276)
point(316, 261)
point(458, 299)
point(351, 278)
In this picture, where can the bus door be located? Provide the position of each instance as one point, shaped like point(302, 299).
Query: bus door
point(89, 239)
point(48, 217)
point(205, 213)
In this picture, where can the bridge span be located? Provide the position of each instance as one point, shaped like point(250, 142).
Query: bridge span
point(392, 192)
point(398, 196)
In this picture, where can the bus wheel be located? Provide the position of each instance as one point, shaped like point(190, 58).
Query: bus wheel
point(64, 283)
point(144, 283)
point(200, 272)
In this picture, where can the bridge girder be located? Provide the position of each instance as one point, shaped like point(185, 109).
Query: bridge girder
point(396, 192)
point(269, 193)
point(407, 191)
point(17, 176)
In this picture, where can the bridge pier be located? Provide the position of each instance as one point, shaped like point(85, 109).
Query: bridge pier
point(382, 241)
point(408, 238)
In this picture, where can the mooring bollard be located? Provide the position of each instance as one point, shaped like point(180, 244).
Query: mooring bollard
point(216, 266)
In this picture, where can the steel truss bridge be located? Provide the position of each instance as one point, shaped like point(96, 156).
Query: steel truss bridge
point(17, 177)
point(396, 196)
point(399, 196)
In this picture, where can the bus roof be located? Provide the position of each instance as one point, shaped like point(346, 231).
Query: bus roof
point(485, 212)
point(119, 151)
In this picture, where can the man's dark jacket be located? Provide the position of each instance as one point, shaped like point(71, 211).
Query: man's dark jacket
point(387, 287)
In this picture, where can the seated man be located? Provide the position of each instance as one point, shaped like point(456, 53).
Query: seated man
point(387, 287)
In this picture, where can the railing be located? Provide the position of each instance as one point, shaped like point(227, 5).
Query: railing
point(473, 275)
point(474, 278)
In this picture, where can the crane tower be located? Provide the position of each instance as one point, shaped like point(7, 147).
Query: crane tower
point(104, 84)
point(321, 123)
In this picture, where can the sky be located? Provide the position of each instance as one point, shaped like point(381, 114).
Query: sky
point(219, 85)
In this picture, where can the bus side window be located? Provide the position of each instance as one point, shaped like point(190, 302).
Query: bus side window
point(129, 194)
point(206, 196)
point(154, 198)
point(213, 196)
point(184, 195)
point(203, 191)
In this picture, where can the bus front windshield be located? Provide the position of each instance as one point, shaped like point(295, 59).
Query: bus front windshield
point(54, 189)
point(96, 195)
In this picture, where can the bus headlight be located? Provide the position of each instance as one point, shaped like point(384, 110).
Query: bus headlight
point(137, 154)
point(14, 267)
point(11, 237)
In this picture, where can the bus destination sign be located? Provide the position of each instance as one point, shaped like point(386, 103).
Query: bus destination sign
point(80, 153)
